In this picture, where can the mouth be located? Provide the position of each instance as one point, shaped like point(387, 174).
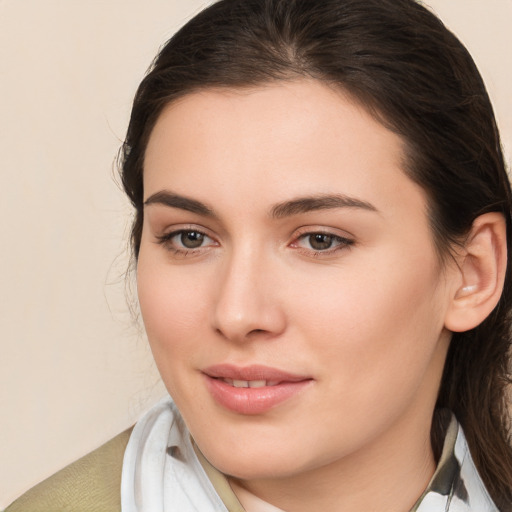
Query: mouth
point(252, 389)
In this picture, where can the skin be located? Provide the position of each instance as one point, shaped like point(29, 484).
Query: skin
point(363, 319)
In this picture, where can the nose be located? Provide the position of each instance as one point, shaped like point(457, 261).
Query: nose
point(247, 304)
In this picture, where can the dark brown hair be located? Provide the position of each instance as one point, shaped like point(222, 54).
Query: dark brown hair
point(398, 60)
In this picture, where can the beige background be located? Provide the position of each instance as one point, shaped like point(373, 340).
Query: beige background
point(74, 367)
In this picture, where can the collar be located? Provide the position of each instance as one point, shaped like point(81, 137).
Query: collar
point(456, 485)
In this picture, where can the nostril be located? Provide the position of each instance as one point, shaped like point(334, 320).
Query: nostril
point(253, 331)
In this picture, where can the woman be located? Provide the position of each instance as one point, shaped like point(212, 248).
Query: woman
point(321, 230)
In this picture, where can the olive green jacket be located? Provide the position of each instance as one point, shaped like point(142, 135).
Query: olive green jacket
point(99, 475)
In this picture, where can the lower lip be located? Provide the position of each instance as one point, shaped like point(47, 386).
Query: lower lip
point(252, 401)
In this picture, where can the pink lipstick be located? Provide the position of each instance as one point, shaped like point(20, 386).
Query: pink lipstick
point(252, 389)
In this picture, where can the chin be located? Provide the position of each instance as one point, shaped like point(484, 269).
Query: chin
point(246, 460)
point(248, 468)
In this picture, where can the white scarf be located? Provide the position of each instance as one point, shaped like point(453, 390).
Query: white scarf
point(161, 472)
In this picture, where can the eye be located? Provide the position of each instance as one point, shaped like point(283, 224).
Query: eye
point(189, 239)
point(318, 242)
point(184, 240)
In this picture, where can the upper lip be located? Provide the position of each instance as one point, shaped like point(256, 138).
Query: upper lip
point(251, 373)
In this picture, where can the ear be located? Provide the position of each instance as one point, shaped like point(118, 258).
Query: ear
point(481, 273)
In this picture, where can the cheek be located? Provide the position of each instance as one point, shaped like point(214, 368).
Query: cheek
point(173, 308)
point(174, 314)
point(374, 323)
point(374, 343)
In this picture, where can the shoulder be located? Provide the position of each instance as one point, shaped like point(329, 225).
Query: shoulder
point(90, 484)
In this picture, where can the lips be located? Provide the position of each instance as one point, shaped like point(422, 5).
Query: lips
point(252, 389)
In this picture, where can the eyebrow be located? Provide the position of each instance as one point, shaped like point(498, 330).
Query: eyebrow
point(318, 202)
point(172, 200)
point(285, 209)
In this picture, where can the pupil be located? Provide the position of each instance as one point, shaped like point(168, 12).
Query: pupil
point(320, 242)
point(192, 239)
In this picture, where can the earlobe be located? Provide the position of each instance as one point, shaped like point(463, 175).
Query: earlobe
point(482, 267)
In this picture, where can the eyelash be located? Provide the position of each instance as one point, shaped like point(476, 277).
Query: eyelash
point(166, 241)
point(341, 243)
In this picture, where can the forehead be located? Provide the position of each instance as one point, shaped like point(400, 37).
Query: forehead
point(274, 141)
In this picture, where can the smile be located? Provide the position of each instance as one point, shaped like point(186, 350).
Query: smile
point(253, 389)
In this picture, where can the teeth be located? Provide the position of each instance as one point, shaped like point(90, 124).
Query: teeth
point(250, 383)
point(257, 383)
point(240, 383)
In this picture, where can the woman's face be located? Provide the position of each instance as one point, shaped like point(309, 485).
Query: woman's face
point(288, 281)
